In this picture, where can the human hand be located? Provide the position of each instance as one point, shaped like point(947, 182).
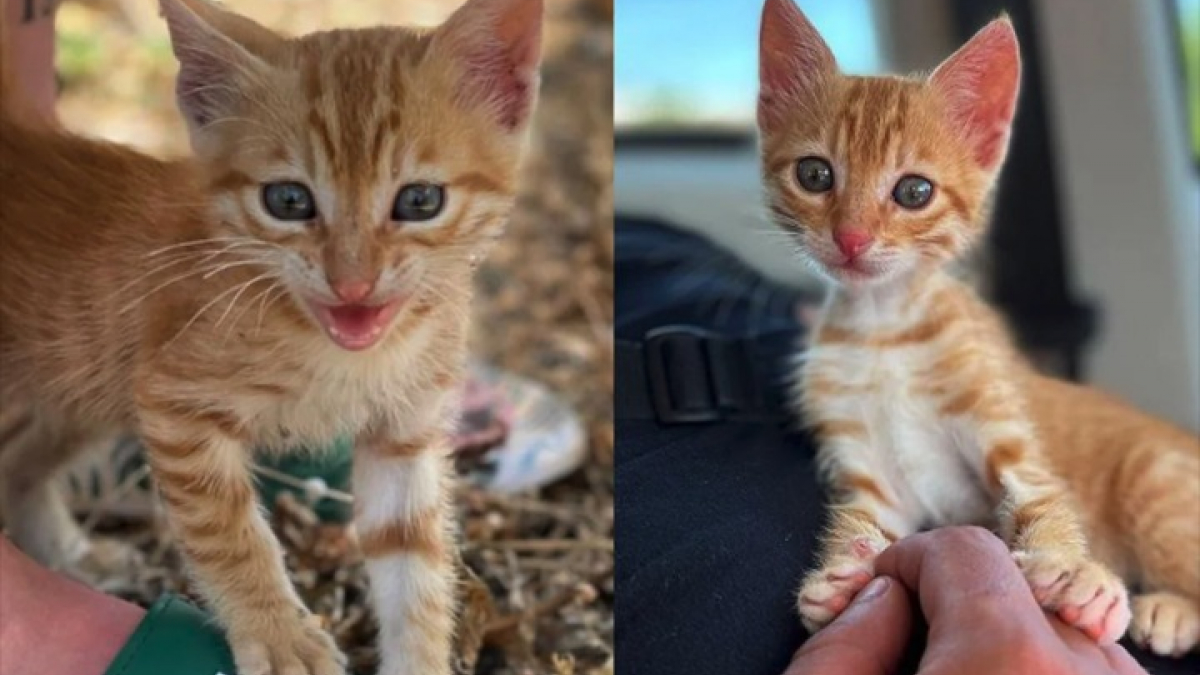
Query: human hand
point(867, 638)
point(982, 618)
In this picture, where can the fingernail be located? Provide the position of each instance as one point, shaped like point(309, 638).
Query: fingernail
point(873, 590)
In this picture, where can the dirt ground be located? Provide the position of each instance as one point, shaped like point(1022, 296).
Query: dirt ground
point(538, 597)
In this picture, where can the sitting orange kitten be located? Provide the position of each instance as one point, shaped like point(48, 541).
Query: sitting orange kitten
point(926, 413)
point(306, 276)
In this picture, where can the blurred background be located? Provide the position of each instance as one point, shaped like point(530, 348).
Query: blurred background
point(539, 577)
point(1095, 248)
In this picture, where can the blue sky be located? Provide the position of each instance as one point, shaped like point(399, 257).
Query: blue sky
point(701, 55)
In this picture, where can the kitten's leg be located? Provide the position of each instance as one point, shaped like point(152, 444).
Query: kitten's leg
point(1040, 522)
point(864, 521)
point(404, 526)
point(1165, 623)
point(33, 450)
point(201, 464)
point(1162, 527)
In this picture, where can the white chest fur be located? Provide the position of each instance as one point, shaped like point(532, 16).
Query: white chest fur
point(926, 462)
point(923, 459)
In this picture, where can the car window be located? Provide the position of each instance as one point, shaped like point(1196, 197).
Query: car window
point(1187, 18)
point(693, 63)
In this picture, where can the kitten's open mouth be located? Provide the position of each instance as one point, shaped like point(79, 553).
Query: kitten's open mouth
point(356, 327)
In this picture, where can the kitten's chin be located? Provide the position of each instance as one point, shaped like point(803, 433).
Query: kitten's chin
point(356, 327)
point(855, 274)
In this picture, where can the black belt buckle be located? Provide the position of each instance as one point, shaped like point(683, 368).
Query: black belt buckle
point(688, 381)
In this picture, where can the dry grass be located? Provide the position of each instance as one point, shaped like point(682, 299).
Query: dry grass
point(538, 597)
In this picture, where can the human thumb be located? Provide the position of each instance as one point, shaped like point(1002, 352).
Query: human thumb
point(868, 638)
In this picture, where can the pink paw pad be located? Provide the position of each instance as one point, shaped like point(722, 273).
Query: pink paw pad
point(832, 605)
point(827, 592)
point(864, 548)
point(1082, 593)
point(1104, 618)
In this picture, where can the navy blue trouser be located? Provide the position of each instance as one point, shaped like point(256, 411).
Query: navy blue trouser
point(715, 523)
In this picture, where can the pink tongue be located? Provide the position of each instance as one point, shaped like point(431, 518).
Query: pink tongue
point(355, 320)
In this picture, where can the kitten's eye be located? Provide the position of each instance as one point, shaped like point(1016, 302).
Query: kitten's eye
point(289, 201)
point(913, 192)
point(418, 201)
point(814, 174)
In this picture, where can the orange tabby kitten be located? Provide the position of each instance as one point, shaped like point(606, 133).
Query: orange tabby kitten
point(306, 276)
point(926, 413)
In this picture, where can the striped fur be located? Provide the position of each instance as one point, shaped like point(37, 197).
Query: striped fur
point(926, 413)
point(161, 297)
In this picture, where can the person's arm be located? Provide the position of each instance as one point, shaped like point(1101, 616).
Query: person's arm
point(88, 627)
point(31, 41)
point(982, 618)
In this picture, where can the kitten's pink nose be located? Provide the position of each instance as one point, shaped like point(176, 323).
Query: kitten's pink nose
point(352, 290)
point(852, 242)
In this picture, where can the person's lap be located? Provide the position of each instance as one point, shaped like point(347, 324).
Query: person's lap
point(717, 522)
point(714, 528)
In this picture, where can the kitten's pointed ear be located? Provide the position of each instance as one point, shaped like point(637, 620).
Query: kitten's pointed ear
point(211, 63)
point(793, 61)
point(498, 44)
point(254, 38)
point(980, 83)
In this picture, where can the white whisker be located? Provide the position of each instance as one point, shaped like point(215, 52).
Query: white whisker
point(274, 298)
point(208, 272)
point(237, 263)
point(200, 242)
point(180, 257)
point(233, 301)
point(250, 303)
point(200, 312)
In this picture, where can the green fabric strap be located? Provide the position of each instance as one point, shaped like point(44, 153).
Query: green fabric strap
point(334, 465)
point(174, 638)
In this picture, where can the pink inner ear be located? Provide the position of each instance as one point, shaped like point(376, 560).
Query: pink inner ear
point(200, 88)
point(207, 64)
point(500, 41)
point(794, 60)
point(980, 83)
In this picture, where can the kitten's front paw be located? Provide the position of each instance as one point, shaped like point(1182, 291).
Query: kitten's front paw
point(827, 591)
point(1166, 624)
point(286, 646)
point(1083, 593)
